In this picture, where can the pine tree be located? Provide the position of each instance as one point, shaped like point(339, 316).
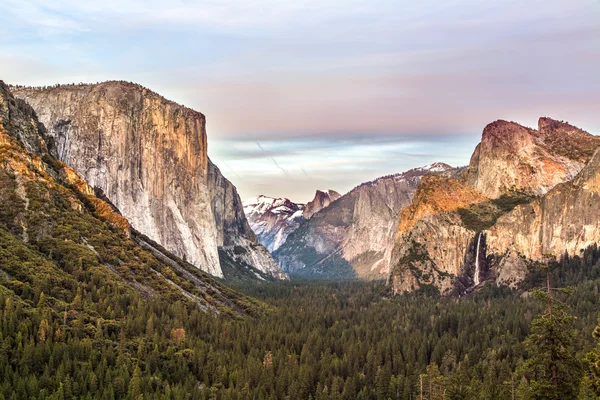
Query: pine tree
point(135, 385)
point(593, 360)
point(552, 370)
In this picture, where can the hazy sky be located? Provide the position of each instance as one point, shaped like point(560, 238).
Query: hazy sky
point(310, 94)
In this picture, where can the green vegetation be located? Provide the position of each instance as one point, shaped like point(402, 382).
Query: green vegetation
point(593, 362)
point(88, 312)
point(342, 340)
point(481, 216)
point(552, 370)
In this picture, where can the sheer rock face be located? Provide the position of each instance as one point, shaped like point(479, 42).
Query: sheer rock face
point(19, 121)
point(319, 202)
point(234, 234)
point(350, 237)
point(565, 220)
point(149, 157)
point(512, 157)
point(483, 232)
point(273, 219)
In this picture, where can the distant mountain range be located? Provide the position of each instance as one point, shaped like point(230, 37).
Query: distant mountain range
point(341, 236)
point(273, 219)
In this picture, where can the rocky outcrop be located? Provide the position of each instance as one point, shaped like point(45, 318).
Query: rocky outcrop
point(350, 237)
point(525, 195)
point(319, 202)
point(432, 241)
point(149, 157)
point(512, 157)
point(565, 220)
point(19, 121)
point(235, 237)
point(273, 219)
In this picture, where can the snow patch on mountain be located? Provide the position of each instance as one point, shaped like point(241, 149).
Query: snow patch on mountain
point(273, 219)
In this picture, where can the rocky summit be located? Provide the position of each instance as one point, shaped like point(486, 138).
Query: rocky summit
point(148, 156)
point(319, 202)
point(526, 196)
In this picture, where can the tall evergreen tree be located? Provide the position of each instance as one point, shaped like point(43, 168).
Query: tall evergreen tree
point(593, 360)
point(552, 370)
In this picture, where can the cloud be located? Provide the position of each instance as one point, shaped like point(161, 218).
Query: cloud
point(339, 162)
point(338, 91)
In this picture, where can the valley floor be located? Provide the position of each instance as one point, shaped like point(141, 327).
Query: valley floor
point(325, 340)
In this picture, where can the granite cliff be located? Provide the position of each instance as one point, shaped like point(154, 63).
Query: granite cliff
point(511, 157)
point(525, 195)
point(57, 236)
point(148, 156)
point(564, 221)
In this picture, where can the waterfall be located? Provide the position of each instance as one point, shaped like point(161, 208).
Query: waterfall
point(476, 276)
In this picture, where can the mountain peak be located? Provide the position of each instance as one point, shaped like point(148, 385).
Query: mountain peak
point(511, 157)
point(321, 200)
point(262, 204)
point(437, 167)
point(272, 219)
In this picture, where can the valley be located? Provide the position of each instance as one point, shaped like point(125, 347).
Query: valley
point(299, 200)
point(130, 268)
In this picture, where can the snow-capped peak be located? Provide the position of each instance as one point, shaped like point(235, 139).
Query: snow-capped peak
point(263, 204)
point(436, 167)
point(273, 219)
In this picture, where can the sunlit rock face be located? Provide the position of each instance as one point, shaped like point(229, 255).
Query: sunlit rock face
point(526, 194)
point(512, 157)
point(350, 237)
point(149, 157)
point(565, 220)
point(431, 241)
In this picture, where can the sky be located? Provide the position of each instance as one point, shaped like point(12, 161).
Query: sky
point(324, 94)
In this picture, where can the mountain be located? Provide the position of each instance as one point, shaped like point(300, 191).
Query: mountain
point(148, 156)
point(64, 248)
point(350, 237)
point(511, 157)
point(526, 194)
point(564, 221)
point(319, 202)
point(273, 219)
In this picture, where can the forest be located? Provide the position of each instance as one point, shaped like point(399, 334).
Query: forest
point(325, 340)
